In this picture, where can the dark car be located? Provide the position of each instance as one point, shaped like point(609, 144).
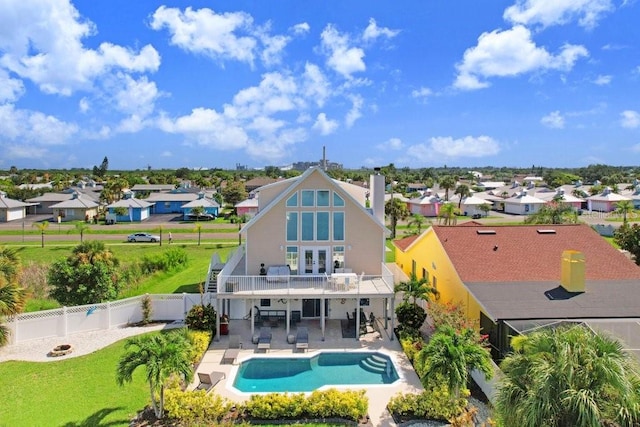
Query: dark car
point(201, 217)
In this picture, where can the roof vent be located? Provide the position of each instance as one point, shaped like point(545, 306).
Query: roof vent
point(486, 231)
point(546, 231)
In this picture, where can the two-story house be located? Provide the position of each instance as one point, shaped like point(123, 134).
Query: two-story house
point(314, 250)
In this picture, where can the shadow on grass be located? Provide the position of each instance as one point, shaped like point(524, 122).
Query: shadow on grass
point(190, 288)
point(97, 418)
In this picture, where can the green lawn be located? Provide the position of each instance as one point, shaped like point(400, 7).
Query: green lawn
point(76, 392)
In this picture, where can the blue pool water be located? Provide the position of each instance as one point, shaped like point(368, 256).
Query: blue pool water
point(303, 374)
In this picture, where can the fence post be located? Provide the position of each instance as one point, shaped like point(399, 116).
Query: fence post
point(184, 306)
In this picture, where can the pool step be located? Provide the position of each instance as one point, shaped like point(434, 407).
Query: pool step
point(374, 363)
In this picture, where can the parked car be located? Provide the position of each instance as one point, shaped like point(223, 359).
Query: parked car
point(201, 217)
point(143, 237)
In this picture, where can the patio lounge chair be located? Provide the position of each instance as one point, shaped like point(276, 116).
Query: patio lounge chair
point(208, 381)
point(302, 338)
point(264, 341)
point(231, 353)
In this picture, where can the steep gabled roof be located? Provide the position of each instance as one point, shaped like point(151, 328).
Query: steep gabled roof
point(529, 252)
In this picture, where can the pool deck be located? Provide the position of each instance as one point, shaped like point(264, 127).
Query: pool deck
point(378, 395)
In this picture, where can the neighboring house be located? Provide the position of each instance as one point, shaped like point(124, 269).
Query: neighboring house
point(513, 278)
point(426, 205)
point(209, 205)
point(634, 195)
point(606, 201)
point(137, 209)
point(78, 208)
point(170, 202)
point(43, 204)
point(152, 188)
point(322, 253)
point(247, 207)
point(523, 204)
point(260, 181)
point(560, 196)
point(11, 210)
point(416, 187)
point(470, 206)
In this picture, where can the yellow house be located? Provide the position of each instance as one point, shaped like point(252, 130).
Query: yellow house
point(513, 278)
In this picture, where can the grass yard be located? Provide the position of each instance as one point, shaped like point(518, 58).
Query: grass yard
point(76, 392)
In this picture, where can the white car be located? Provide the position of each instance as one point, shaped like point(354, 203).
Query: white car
point(143, 237)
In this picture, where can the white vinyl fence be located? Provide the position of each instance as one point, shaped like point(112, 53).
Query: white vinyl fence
point(65, 321)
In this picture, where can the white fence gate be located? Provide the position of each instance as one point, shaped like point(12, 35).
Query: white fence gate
point(65, 321)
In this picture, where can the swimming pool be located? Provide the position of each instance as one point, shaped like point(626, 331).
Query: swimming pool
point(303, 374)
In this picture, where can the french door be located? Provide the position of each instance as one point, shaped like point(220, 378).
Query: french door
point(316, 259)
point(311, 308)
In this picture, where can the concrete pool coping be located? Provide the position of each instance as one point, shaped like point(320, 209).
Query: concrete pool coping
point(378, 395)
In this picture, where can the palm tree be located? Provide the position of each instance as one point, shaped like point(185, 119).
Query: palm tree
point(624, 208)
point(451, 355)
point(448, 212)
point(415, 289)
point(42, 226)
point(162, 355)
point(463, 191)
point(554, 213)
point(568, 376)
point(9, 263)
point(81, 228)
point(198, 229)
point(447, 182)
point(417, 221)
point(396, 210)
point(12, 300)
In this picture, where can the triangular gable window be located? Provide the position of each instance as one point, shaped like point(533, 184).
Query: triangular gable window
point(337, 200)
point(293, 200)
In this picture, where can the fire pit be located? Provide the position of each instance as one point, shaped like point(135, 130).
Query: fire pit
point(61, 350)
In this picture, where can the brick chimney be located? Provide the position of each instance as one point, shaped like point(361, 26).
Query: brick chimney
point(573, 271)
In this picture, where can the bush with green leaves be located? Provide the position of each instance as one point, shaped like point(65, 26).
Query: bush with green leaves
point(331, 403)
point(90, 275)
point(435, 403)
point(195, 407)
point(200, 341)
point(202, 318)
point(410, 317)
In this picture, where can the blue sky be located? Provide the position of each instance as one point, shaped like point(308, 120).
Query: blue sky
point(551, 83)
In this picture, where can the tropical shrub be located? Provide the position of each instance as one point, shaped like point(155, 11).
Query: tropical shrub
point(195, 407)
point(410, 317)
point(411, 346)
point(170, 260)
point(273, 406)
point(349, 404)
point(202, 318)
point(435, 403)
point(200, 341)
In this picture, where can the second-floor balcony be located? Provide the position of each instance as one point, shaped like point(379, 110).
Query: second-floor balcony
point(232, 282)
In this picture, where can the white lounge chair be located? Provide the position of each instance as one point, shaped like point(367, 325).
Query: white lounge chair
point(264, 341)
point(208, 381)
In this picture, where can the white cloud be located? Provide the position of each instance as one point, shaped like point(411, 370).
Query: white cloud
point(510, 53)
point(315, 85)
point(603, 80)
point(558, 12)
point(439, 147)
point(22, 151)
point(391, 144)
point(135, 96)
point(553, 120)
point(276, 93)
point(301, 28)
point(372, 31)
point(84, 105)
point(42, 41)
point(423, 92)
point(341, 57)
point(324, 126)
point(10, 89)
point(208, 128)
point(354, 113)
point(132, 124)
point(207, 32)
point(33, 127)
point(630, 119)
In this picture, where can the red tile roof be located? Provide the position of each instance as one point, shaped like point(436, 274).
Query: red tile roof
point(405, 242)
point(521, 253)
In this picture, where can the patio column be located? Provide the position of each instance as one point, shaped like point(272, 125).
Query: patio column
point(393, 318)
point(322, 315)
point(253, 314)
point(357, 314)
point(385, 310)
point(218, 319)
point(288, 318)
